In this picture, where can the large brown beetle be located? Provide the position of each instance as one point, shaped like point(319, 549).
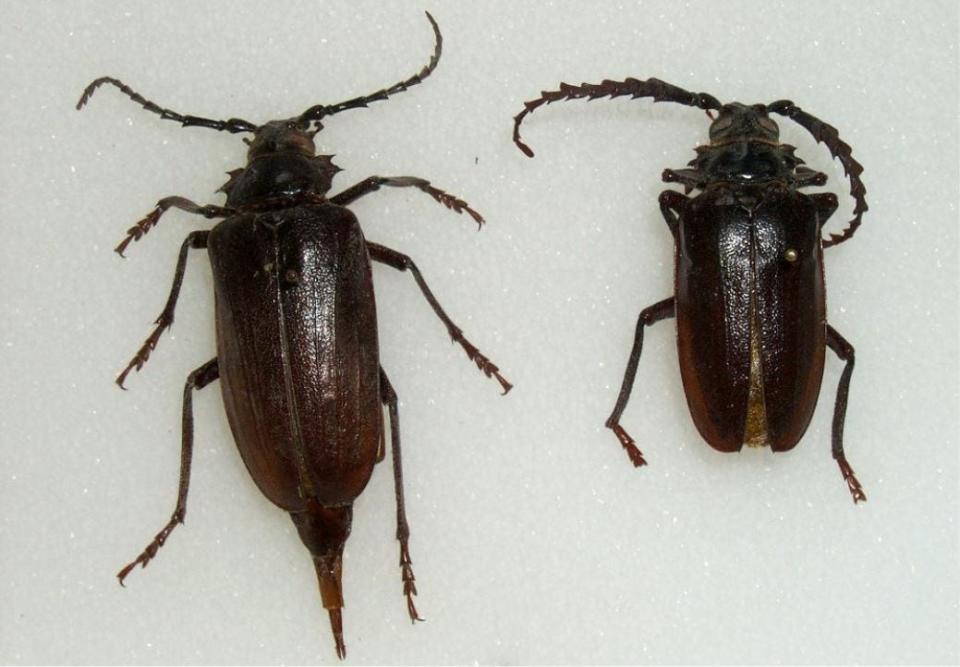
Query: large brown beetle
point(749, 293)
point(297, 351)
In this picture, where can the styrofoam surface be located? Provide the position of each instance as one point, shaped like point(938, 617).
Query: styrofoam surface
point(534, 540)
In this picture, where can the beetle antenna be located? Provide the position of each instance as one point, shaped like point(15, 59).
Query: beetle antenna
point(233, 125)
point(315, 113)
point(839, 149)
point(659, 90)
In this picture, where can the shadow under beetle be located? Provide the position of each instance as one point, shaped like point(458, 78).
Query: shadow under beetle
point(296, 322)
point(749, 294)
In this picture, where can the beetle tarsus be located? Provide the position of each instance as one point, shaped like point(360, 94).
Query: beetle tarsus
point(158, 541)
point(143, 354)
point(629, 444)
point(851, 479)
point(486, 366)
point(409, 581)
point(136, 232)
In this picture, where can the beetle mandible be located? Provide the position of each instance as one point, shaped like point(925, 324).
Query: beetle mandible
point(296, 323)
point(749, 293)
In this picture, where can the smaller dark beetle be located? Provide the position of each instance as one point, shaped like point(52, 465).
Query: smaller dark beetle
point(749, 293)
point(297, 351)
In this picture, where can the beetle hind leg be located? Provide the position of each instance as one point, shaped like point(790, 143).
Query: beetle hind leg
point(198, 379)
point(655, 313)
point(389, 397)
point(844, 351)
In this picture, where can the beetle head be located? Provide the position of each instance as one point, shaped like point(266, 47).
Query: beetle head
point(281, 136)
point(281, 162)
point(740, 122)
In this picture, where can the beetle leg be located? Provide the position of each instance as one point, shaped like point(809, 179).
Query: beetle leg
point(844, 350)
point(688, 178)
point(374, 183)
point(198, 379)
point(402, 262)
point(804, 177)
point(826, 203)
point(197, 240)
point(658, 311)
point(389, 397)
point(671, 204)
point(150, 220)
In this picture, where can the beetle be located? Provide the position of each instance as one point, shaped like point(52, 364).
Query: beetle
point(296, 324)
point(749, 292)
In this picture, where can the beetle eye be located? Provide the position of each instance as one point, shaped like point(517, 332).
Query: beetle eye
point(722, 123)
point(769, 126)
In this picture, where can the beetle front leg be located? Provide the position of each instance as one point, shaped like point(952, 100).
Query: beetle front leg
point(389, 397)
point(148, 221)
point(690, 179)
point(198, 379)
point(672, 204)
point(826, 203)
point(195, 240)
point(374, 183)
point(402, 262)
point(655, 313)
point(844, 351)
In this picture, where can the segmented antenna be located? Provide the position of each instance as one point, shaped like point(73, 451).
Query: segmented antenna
point(839, 149)
point(659, 90)
point(315, 113)
point(233, 125)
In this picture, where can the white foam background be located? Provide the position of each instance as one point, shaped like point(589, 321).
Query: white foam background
point(534, 540)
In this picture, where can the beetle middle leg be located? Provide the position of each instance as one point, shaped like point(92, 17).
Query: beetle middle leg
point(198, 379)
point(389, 397)
point(402, 262)
point(374, 183)
point(658, 311)
point(197, 241)
point(844, 350)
